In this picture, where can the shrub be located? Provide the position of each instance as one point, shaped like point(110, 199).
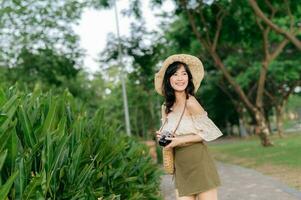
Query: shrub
point(51, 148)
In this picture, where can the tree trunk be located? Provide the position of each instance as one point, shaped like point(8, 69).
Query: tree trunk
point(256, 110)
point(279, 119)
point(262, 129)
point(242, 122)
point(242, 129)
point(228, 128)
point(269, 124)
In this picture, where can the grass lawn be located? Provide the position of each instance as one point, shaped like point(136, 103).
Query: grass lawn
point(282, 161)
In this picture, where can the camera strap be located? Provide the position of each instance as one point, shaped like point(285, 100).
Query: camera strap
point(173, 133)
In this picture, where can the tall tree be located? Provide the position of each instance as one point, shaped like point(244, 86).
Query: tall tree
point(283, 79)
point(207, 23)
point(38, 24)
point(46, 66)
point(292, 29)
point(143, 59)
point(229, 36)
point(213, 24)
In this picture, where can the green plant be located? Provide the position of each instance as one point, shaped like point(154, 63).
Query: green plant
point(52, 148)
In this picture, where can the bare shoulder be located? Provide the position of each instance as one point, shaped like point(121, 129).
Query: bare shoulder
point(193, 106)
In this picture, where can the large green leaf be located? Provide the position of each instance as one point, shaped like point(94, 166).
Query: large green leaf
point(20, 182)
point(5, 136)
point(4, 189)
point(10, 103)
point(3, 155)
point(9, 112)
point(12, 146)
point(2, 97)
point(30, 137)
point(50, 120)
point(75, 163)
point(32, 188)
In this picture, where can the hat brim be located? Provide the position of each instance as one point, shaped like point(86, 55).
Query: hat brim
point(194, 64)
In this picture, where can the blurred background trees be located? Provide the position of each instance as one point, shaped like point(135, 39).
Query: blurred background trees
point(242, 54)
point(252, 68)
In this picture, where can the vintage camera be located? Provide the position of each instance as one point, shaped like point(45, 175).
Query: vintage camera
point(163, 141)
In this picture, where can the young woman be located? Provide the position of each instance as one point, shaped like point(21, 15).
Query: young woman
point(196, 176)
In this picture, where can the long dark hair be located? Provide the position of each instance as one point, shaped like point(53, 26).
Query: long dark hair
point(168, 91)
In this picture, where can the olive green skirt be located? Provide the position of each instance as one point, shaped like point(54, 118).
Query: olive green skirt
point(195, 171)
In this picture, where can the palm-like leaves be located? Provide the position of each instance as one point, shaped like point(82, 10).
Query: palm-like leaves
point(51, 149)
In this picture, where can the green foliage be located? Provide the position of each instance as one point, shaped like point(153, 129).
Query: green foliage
point(285, 70)
point(134, 6)
point(45, 66)
point(39, 24)
point(51, 70)
point(52, 149)
point(144, 104)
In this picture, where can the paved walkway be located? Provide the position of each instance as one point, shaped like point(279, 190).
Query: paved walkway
point(240, 183)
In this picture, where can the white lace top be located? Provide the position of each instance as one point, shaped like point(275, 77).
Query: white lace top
point(199, 124)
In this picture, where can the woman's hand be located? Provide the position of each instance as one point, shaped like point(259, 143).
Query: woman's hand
point(175, 141)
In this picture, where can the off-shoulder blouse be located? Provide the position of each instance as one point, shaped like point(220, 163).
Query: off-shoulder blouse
point(199, 124)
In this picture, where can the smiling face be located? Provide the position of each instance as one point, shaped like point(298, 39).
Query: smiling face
point(179, 80)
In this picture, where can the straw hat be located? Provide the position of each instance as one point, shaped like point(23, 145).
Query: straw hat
point(193, 63)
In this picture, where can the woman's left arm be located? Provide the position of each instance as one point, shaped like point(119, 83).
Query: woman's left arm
point(183, 139)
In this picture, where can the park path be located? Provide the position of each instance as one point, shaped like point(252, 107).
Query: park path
point(239, 183)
